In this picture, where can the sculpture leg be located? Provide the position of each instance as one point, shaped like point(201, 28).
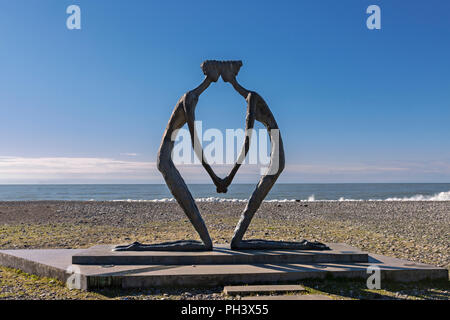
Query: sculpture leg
point(255, 201)
point(261, 191)
point(266, 183)
point(184, 198)
point(263, 187)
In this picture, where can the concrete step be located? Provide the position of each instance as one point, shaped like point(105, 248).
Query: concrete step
point(258, 289)
point(221, 254)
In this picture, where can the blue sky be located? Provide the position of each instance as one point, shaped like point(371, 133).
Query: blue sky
point(353, 105)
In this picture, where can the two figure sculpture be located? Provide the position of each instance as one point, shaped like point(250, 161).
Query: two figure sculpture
point(184, 113)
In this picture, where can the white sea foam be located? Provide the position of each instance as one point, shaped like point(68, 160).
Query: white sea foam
point(442, 196)
point(209, 199)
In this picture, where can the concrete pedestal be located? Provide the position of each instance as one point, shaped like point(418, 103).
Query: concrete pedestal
point(99, 267)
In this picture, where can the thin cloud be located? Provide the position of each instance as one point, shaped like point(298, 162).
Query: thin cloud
point(108, 170)
point(129, 154)
point(328, 169)
point(48, 169)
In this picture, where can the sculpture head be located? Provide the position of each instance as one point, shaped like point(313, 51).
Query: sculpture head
point(211, 69)
point(230, 69)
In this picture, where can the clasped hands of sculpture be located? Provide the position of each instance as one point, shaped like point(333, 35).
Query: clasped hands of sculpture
point(184, 112)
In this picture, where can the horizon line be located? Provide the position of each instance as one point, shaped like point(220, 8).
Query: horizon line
point(197, 183)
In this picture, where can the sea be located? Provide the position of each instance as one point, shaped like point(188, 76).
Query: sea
point(236, 193)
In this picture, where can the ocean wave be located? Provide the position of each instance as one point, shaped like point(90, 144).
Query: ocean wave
point(442, 196)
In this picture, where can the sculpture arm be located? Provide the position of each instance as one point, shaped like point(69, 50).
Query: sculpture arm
point(190, 102)
point(249, 124)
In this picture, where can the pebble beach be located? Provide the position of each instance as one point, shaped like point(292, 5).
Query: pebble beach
point(414, 230)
